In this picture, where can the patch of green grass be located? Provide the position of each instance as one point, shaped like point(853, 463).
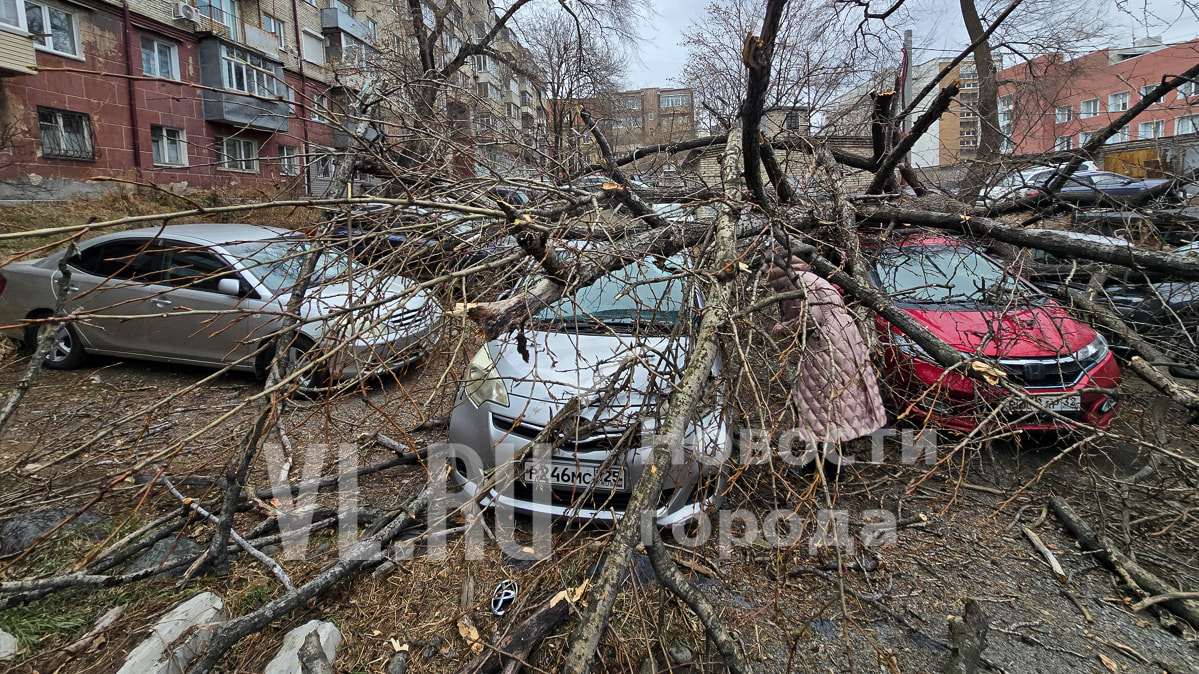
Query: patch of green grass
point(64, 614)
point(249, 600)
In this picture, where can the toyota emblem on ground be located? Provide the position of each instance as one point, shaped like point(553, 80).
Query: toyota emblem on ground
point(505, 593)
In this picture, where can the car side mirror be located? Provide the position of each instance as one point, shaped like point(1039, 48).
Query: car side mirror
point(231, 286)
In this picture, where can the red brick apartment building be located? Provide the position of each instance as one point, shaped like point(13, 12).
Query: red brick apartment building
point(204, 94)
point(1050, 104)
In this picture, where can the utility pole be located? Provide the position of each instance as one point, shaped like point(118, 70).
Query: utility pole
point(905, 94)
point(906, 77)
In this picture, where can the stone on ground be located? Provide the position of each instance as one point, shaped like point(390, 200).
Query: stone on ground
point(287, 661)
point(177, 638)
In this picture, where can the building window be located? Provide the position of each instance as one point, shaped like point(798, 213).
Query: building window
point(1121, 136)
point(65, 134)
point(1062, 113)
point(450, 46)
point(1005, 115)
point(1084, 137)
point(1186, 90)
point(1154, 129)
point(275, 27)
point(1184, 125)
point(314, 47)
point(223, 12)
point(372, 26)
point(651, 115)
point(673, 100)
point(12, 13)
point(237, 154)
point(320, 108)
point(1148, 89)
point(169, 146)
point(322, 162)
point(289, 160)
point(793, 121)
point(1088, 108)
point(338, 4)
point(1118, 102)
point(484, 121)
point(484, 64)
point(1063, 142)
point(248, 72)
point(55, 26)
point(159, 59)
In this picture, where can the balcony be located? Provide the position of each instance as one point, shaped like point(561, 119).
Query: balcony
point(223, 104)
point(334, 19)
point(17, 56)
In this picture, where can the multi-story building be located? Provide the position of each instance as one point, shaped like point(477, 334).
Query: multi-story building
point(629, 120)
point(952, 138)
point(215, 94)
point(1052, 104)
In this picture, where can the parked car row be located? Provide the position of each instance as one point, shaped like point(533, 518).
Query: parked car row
point(1087, 187)
point(210, 294)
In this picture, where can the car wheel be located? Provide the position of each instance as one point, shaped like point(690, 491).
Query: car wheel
point(298, 354)
point(66, 352)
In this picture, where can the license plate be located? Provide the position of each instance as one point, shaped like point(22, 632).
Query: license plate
point(574, 474)
point(1056, 403)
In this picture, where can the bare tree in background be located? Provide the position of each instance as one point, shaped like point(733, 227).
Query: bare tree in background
point(577, 62)
point(817, 55)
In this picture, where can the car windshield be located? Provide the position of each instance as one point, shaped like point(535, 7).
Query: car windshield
point(947, 275)
point(277, 263)
point(643, 294)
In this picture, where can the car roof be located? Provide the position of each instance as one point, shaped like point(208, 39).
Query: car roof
point(1079, 236)
point(207, 234)
point(914, 240)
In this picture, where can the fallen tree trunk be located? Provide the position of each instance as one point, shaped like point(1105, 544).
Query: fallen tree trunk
point(1059, 244)
point(362, 553)
point(681, 406)
point(1187, 609)
point(516, 646)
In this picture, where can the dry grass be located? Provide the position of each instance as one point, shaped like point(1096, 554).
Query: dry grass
point(121, 203)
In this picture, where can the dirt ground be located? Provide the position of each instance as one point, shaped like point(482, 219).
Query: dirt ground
point(885, 610)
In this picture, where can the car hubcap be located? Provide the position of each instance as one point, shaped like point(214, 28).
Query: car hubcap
point(61, 346)
point(298, 358)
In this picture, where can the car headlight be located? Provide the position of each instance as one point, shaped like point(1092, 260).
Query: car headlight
point(1093, 352)
point(481, 383)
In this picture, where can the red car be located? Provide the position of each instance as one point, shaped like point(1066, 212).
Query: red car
point(982, 309)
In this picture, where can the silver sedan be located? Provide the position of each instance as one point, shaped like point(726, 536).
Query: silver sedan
point(210, 295)
point(618, 346)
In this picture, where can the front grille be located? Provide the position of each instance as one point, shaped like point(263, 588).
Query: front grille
point(609, 441)
point(407, 317)
point(1047, 372)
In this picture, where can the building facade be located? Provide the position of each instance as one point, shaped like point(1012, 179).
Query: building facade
point(952, 138)
point(1051, 104)
point(629, 120)
point(218, 94)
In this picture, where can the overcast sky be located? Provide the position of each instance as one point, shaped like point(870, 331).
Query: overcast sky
point(661, 57)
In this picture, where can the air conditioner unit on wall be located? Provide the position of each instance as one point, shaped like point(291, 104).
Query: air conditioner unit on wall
point(185, 12)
